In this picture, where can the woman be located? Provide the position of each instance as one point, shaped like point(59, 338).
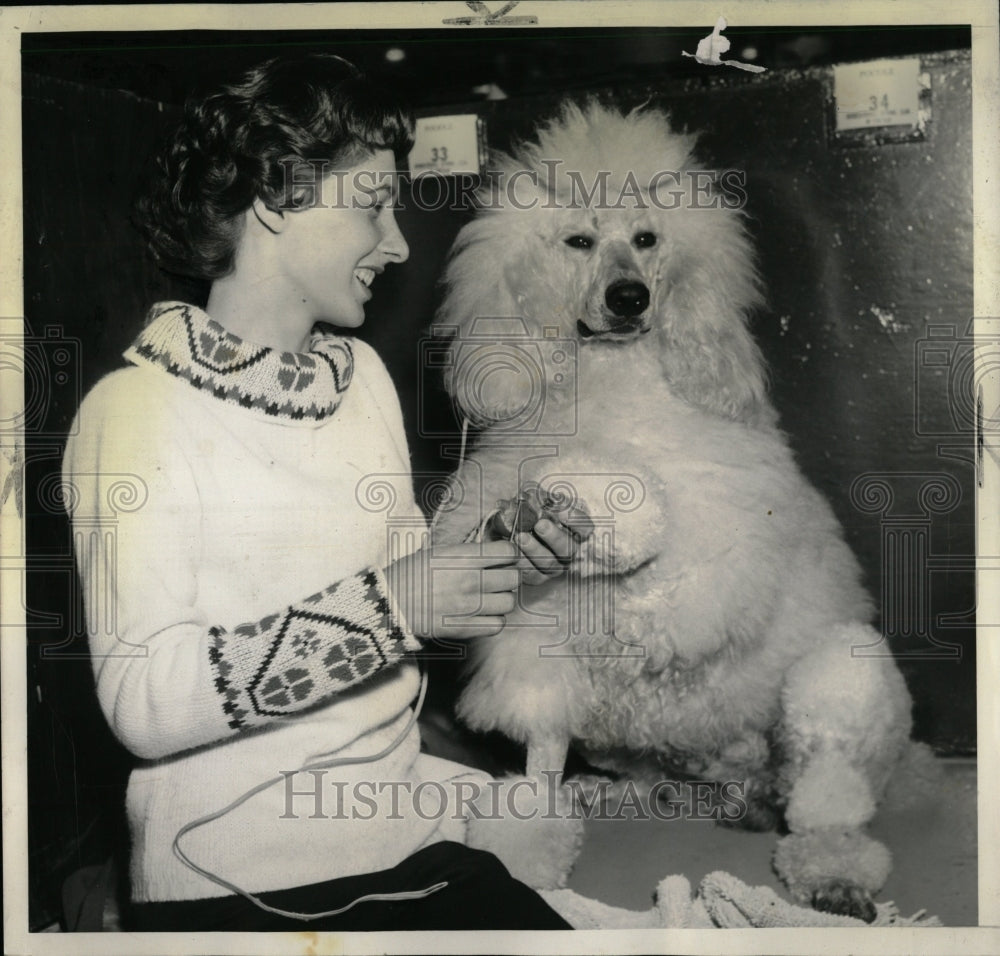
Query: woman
point(247, 619)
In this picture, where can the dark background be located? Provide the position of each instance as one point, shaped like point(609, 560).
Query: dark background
point(865, 245)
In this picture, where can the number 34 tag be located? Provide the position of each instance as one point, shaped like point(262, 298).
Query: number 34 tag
point(877, 93)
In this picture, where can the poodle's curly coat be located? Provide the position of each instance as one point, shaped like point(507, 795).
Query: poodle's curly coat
point(715, 622)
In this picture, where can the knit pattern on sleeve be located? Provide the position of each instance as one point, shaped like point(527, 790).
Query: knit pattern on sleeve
point(290, 661)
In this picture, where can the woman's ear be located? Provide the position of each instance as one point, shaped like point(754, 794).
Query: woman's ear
point(273, 220)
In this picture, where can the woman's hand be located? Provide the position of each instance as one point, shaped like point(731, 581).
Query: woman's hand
point(552, 544)
point(456, 590)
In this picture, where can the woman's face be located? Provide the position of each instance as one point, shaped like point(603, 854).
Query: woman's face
point(332, 251)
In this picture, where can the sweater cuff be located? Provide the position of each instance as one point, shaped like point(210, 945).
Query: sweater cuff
point(288, 662)
point(411, 643)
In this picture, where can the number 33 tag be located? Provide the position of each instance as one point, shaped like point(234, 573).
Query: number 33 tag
point(448, 145)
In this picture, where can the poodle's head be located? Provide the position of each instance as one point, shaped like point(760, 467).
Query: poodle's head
point(606, 231)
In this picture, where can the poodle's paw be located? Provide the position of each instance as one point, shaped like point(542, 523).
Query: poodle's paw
point(844, 898)
point(812, 863)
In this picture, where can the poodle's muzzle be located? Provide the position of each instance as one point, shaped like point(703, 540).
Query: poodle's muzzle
point(625, 302)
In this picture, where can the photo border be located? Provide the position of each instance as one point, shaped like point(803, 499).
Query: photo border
point(981, 14)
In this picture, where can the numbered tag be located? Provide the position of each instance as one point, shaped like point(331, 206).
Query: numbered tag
point(877, 93)
point(448, 145)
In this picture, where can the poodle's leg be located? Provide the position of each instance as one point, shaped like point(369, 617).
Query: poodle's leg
point(845, 725)
point(536, 833)
point(547, 756)
point(832, 865)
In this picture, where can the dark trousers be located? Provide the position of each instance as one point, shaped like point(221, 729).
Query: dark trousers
point(481, 894)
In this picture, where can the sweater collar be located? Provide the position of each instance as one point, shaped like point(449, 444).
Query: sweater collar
point(182, 340)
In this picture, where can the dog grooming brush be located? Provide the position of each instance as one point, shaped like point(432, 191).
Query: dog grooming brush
point(512, 516)
point(520, 514)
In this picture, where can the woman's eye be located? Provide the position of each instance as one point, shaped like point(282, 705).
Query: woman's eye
point(643, 240)
point(579, 242)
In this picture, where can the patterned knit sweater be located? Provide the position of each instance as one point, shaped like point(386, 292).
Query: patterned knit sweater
point(232, 508)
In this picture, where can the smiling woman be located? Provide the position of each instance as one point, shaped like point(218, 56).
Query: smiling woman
point(314, 264)
point(265, 621)
point(258, 179)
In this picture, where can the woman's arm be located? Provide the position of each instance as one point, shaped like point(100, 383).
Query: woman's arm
point(168, 677)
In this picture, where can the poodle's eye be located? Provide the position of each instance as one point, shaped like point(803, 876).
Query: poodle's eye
point(644, 240)
point(579, 242)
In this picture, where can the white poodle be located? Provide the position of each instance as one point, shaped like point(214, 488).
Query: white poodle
point(714, 624)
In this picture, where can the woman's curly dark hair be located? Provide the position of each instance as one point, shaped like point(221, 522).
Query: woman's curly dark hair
point(264, 137)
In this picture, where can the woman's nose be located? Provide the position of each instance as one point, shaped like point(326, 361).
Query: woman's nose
point(393, 244)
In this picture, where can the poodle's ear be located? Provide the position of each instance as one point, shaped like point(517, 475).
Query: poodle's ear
point(476, 277)
point(708, 354)
point(487, 321)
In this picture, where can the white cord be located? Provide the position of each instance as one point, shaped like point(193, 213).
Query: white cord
point(461, 460)
point(465, 436)
point(317, 762)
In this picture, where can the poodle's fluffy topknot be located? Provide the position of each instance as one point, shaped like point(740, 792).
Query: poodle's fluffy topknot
point(587, 141)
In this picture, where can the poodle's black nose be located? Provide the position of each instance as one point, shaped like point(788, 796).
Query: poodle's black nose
point(627, 299)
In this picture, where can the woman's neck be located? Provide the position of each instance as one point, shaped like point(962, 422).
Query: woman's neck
point(259, 314)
